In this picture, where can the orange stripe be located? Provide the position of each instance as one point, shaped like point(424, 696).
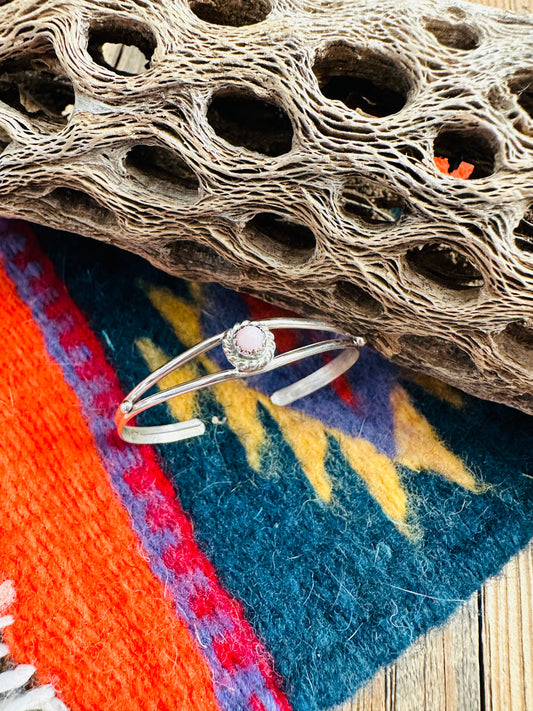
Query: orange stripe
point(89, 613)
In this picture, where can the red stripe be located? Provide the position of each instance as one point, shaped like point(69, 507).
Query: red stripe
point(286, 340)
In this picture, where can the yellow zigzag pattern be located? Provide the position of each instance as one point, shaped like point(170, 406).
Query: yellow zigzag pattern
point(418, 445)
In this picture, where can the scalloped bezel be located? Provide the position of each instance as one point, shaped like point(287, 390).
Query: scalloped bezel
point(249, 362)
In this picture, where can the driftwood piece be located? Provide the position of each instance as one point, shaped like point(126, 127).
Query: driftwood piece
point(369, 163)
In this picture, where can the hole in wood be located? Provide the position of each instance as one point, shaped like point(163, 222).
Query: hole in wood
point(412, 152)
point(498, 98)
point(454, 35)
point(522, 86)
point(123, 58)
point(438, 352)
point(469, 146)
point(200, 259)
point(362, 79)
point(524, 232)
point(517, 342)
point(81, 206)
point(526, 245)
point(277, 237)
point(235, 13)
point(243, 119)
point(125, 47)
point(372, 202)
point(356, 298)
point(162, 170)
point(5, 140)
point(36, 86)
point(445, 266)
point(456, 12)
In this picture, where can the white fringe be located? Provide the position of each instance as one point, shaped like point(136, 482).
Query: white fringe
point(12, 696)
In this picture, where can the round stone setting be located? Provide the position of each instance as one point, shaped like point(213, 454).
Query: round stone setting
point(249, 339)
point(249, 346)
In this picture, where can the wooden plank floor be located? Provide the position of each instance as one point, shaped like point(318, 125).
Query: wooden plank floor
point(481, 660)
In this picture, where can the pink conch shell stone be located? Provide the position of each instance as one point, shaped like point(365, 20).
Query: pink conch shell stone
point(249, 339)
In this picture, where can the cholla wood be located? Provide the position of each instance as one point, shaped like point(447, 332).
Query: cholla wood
point(288, 148)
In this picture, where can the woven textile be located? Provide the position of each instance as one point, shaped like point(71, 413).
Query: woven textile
point(274, 563)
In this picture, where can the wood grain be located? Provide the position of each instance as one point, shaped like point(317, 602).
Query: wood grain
point(481, 660)
point(507, 634)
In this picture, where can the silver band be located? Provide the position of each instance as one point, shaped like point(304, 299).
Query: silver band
point(247, 360)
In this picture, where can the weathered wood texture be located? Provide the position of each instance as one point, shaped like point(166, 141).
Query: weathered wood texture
point(481, 660)
point(287, 147)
